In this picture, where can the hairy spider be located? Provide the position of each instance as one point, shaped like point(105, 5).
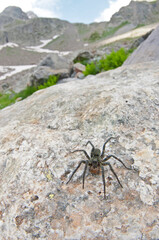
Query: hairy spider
point(97, 160)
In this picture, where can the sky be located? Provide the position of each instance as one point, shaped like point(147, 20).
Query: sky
point(85, 11)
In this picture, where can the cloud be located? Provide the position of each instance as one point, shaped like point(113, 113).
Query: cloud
point(43, 8)
point(47, 8)
point(114, 7)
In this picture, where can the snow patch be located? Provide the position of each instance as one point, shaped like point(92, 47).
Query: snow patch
point(40, 48)
point(11, 70)
point(86, 44)
point(12, 45)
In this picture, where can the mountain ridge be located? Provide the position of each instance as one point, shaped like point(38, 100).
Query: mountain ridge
point(16, 26)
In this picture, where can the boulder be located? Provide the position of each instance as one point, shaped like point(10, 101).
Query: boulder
point(42, 73)
point(83, 56)
point(55, 61)
point(53, 64)
point(147, 50)
point(78, 67)
point(38, 136)
point(139, 40)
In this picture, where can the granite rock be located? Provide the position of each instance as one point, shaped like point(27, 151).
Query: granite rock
point(37, 137)
point(147, 50)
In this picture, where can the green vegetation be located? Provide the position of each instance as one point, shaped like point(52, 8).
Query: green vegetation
point(81, 60)
point(15, 22)
point(110, 31)
point(52, 80)
point(94, 37)
point(10, 98)
point(140, 25)
point(82, 28)
point(111, 61)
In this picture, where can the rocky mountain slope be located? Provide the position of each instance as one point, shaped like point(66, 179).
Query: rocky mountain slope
point(137, 13)
point(17, 27)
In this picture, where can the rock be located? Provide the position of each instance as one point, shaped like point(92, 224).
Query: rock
point(18, 99)
point(80, 75)
point(53, 64)
point(41, 75)
point(38, 135)
point(138, 41)
point(83, 56)
point(146, 51)
point(77, 70)
point(54, 61)
point(5, 86)
point(78, 67)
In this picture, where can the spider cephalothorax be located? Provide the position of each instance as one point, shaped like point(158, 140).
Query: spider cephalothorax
point(97, 160)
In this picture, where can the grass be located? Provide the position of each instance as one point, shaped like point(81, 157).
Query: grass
point(110, 31)
point(140, 25)
point(10, 98)
point(82, 28)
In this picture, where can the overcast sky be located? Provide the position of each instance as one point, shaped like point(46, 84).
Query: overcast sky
point(85, 11)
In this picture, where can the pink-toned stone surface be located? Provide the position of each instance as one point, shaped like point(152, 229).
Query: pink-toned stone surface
point(37, 136)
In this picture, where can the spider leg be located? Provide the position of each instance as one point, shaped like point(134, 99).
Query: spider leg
point(113, 172)
point(103, 150)
point(103, 178)
point(84, 172)
point(113, 156)
point(81, 150)
point(90, 144)
point(75, 170)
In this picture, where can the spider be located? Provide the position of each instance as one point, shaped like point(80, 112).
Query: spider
point(97, 160)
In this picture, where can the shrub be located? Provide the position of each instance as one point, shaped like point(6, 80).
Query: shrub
point(94, 36)
point(111, 61)
point(5, 100)
point(52, 80)
point(29, 90)
point(91, 68)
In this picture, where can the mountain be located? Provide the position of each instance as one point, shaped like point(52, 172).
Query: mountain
point(15, 13)
point(137, 13)
point(11, 15)
point(18, 27)
point(31, 14)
